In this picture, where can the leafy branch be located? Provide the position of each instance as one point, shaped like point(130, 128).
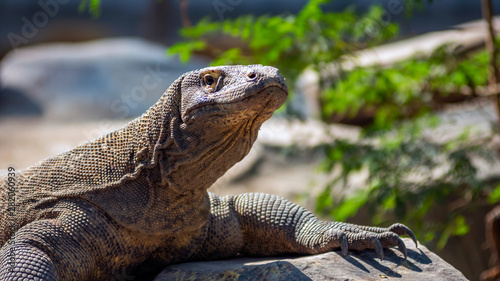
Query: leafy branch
point(289, 42)
point(412, 178)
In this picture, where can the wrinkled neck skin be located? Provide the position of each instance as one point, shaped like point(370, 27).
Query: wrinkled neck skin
point(217, 124)
point(206, 148)
point(199, 152)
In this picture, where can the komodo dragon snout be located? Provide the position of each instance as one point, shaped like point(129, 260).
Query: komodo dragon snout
point(232, 95)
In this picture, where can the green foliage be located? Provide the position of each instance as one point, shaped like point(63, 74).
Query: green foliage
point(411, 178)
point(186, 50)
point(290, 42)
point(401, 160)
point(94, 7)
point(406, 88)
point(494, 196)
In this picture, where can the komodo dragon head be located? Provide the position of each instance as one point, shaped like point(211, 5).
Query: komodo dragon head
point(231, 95)
point(221, 110)
point(230, 100)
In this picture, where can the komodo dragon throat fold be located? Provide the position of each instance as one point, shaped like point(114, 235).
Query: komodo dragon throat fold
point(136, 199)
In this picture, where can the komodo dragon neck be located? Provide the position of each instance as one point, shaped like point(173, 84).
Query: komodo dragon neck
point(161, 164)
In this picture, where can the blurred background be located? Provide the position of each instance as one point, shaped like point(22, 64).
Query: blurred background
point(393, 112)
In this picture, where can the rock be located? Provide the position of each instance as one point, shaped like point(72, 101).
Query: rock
point(110, 78)
point(421, 265)
point(15, 103)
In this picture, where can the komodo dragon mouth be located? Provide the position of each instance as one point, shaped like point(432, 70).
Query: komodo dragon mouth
point(274, 94)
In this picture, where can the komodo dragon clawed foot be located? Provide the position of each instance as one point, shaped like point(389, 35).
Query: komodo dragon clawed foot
point(271, 225)
point(357, 237)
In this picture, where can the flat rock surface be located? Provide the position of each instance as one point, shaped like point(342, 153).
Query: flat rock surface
point(421, 264)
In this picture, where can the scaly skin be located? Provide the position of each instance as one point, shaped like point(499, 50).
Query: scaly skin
point(136, 199)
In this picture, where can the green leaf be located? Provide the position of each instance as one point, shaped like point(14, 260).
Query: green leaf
point(494, 196)
point(444, 236)
point(351, 205)
point(185, 49)
point(390, 202)
point(460, 227)
point(429, 236)
point(94, 7)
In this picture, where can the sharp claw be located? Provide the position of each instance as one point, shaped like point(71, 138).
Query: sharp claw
point(378, 249)
point(344, 245)
point(402, 248)
point(401, 229)
point(412, 236)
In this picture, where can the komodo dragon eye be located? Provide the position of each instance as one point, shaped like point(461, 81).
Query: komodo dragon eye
point(211, 80)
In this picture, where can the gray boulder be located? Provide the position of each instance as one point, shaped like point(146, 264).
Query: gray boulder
point(111, 78)
point(420, 265)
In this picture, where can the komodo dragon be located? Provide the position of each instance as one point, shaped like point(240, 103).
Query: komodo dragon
point(138, 196)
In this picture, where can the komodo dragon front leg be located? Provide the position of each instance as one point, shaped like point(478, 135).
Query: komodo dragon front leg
point(73, 240)
point(265, 225)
